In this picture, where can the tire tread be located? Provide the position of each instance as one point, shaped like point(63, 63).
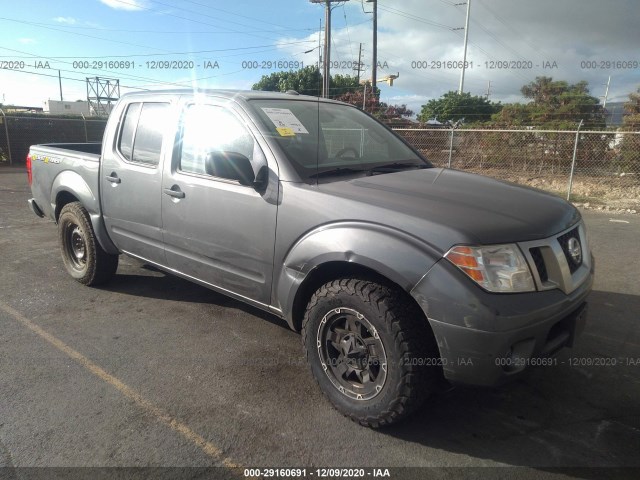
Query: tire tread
point(410, 334)
point(105, 265)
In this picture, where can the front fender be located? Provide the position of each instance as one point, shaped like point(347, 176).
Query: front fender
point(398, 256)
point(69, 182)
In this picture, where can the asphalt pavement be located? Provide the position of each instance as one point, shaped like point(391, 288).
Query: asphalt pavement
point(153, 371)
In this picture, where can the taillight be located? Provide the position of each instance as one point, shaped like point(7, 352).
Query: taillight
point(29, 175)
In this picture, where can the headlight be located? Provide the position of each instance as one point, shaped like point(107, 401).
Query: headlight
point(497, 268)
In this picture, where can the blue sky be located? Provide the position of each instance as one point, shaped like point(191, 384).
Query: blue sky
point(231, 44)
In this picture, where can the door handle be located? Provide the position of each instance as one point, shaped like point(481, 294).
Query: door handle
point(174, 192)
point(113, 178)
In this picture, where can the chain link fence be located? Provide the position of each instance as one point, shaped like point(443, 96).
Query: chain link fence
point(19, 131)
point(599, 168)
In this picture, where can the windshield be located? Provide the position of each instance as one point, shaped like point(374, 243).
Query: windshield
point(325, 139)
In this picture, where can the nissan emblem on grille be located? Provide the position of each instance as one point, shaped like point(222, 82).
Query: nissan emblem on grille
point(574, 249)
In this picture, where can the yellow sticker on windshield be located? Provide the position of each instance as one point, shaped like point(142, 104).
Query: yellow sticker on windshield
point(286, 132)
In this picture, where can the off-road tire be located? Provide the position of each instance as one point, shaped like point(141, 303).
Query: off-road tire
point(403, 336)
point(83, 257)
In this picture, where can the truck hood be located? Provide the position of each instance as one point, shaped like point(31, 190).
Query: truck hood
point(462, 207)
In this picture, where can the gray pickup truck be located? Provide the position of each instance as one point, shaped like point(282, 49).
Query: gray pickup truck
point(400, 276)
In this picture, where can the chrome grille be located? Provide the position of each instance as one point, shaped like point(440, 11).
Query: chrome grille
point(564, 243)
point(538, 260)
point(552, 264)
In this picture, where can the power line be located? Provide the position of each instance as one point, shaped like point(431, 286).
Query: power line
point(411, 16)
point(80, 34)
point(81, 80)
point(235, 14)
point(129, 76)
point(497, 40)
point(191, 52)
point(534, 47)
point(140, 7)
point(344, 11)
point(190, 32)
point(114, 73)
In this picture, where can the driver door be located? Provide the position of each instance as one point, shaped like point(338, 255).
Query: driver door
point(216, 229)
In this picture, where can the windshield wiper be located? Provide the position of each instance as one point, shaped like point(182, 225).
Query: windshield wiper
point(336, 171)
point(395, 166)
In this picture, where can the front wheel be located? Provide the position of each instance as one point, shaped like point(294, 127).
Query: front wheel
point(370, 350)
point(83, 257)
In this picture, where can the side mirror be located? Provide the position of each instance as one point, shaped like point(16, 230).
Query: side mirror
point(235, 166)
point(262, 179)
point(230, 165)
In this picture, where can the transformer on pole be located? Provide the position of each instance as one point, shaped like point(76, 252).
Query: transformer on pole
point(102, 93)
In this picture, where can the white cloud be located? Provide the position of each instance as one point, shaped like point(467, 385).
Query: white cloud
point(411, 41)
point(130, 5)
point(66, 20)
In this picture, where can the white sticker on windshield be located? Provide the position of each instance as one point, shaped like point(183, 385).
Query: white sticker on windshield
point(284, 119)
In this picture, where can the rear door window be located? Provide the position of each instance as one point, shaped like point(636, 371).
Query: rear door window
point(142, 132)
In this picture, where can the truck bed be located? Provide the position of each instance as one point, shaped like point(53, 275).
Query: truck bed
point(93, 148)
point(73, 165)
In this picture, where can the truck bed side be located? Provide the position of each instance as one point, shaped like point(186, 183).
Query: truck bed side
point(64, 173)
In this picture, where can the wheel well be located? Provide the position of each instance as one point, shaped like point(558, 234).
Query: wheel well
point(62, 199)
point(331, 271)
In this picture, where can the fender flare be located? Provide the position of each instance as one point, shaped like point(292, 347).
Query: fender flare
point(398, 256)
point(71, 183)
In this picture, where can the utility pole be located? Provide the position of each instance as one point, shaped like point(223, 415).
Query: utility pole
point(374, 66)
point(359, 67)
point(606, 93)
point(466, 41)
point(488, 89)
point(320, 56)
point(327, 50)
point(327, 43)
point(60, 84)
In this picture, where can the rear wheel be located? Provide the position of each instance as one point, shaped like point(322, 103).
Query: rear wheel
point(370, 350)
point(83, 257)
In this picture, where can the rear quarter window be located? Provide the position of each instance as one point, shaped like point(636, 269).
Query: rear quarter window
point(128, 130)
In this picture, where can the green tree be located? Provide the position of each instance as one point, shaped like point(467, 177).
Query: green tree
point(344, 88)
point(357, 97)
point(453, 106)
point(553, 105)
point(632, 111)
point(630, 147)
point(342, 84)
point(307, 81)
point(391, 112)
point(372, 104)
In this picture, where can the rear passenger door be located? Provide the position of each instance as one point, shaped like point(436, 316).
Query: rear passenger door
point(131, 179)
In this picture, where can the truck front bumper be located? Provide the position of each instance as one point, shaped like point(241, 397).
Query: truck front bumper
point(486, 338)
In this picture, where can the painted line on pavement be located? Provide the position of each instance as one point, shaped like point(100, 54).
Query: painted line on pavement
point(176, 425)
